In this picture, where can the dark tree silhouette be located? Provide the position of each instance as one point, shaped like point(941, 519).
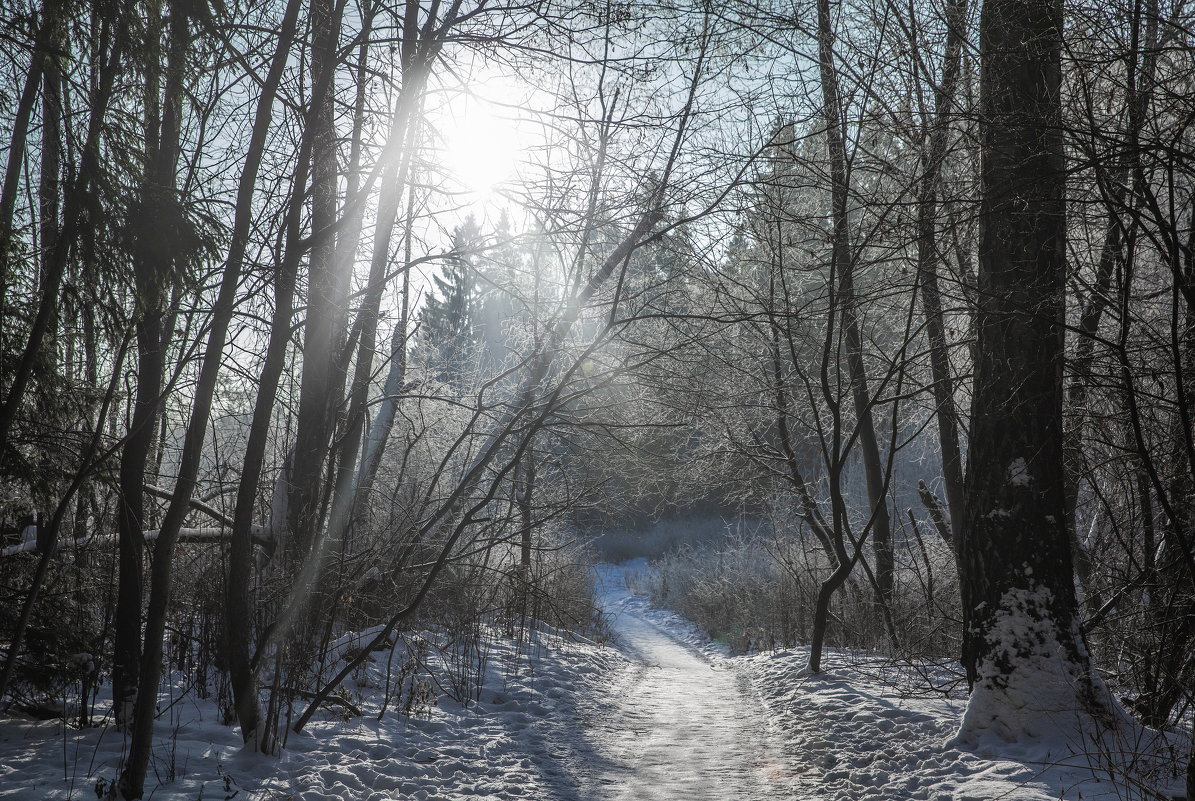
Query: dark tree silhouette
point(1023, 650)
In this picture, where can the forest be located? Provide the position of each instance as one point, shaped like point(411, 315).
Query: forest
point(384, 382)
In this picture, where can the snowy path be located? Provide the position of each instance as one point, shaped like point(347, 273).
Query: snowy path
point(683, 726)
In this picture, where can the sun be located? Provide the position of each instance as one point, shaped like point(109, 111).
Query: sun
point(481, 141)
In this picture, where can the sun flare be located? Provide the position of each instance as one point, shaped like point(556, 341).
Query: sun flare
point(481, 145)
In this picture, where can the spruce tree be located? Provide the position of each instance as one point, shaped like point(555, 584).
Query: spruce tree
point(447, 343)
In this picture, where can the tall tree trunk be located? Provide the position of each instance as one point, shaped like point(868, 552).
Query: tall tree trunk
point(524, 498)
point(844, 269)
point(149, 270)
point(132, 780)
point(1023, 649)
point(928, 258)
point(131, 517)
point(327, 299)
point(238, 612)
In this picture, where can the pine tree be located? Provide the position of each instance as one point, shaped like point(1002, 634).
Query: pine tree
point(448, 331)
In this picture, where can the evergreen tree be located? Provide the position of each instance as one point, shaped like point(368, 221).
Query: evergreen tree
point(447, 343)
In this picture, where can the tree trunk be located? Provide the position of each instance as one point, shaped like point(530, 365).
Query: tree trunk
point(151, 266)
point(844, 268)
point(327, 299)
point(524, 497)
point(131, 516)
point(132, 780)
point(1023, 650)
point(927, 264)
point(238, 612)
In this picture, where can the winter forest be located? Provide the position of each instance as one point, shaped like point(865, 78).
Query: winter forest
point(594, 400)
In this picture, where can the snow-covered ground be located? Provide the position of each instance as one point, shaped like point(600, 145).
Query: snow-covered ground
point(868, 728)
point(684, 722)
point(863, 729)
point(520, 741)
point(663, 714)
point(867, 732)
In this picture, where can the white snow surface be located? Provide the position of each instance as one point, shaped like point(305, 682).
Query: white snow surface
point(520, 741)
point(865, 731)
point(662, 714)
point(684, 722)
point(1037, 699)
point(865, 728)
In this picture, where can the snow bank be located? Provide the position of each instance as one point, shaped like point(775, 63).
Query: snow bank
point(519, 741)
point(870, 729)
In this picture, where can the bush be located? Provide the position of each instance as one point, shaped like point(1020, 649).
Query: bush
point(756, 591)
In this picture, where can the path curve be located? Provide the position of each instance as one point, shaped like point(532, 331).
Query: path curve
point(684, 726)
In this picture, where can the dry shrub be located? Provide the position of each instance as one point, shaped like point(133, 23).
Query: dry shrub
point(756, 591)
